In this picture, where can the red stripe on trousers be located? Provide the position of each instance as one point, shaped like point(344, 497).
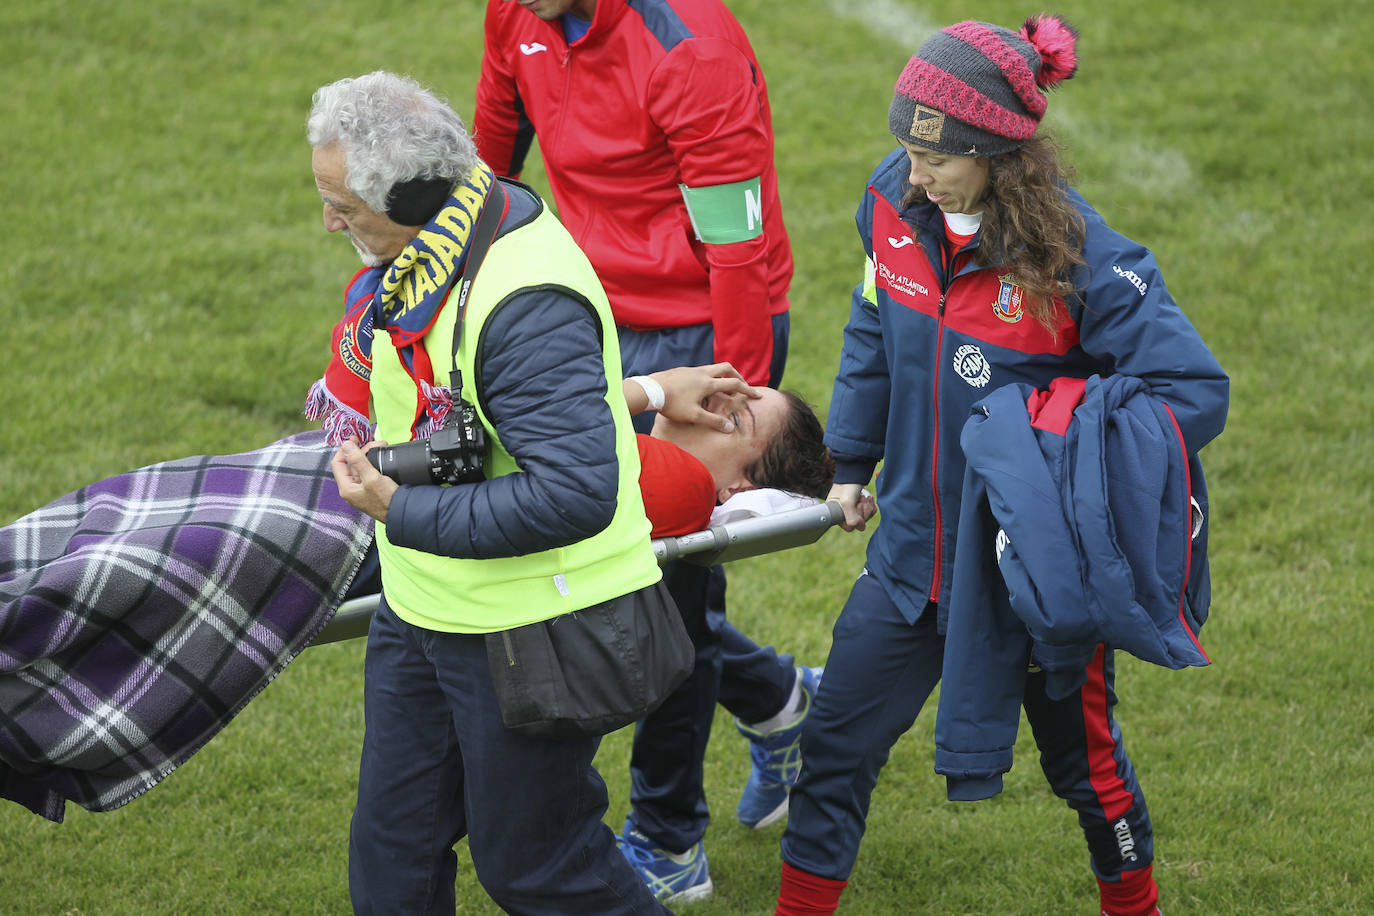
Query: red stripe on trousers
point(1111, 791)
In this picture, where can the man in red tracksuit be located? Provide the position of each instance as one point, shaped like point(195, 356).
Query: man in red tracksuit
point(652, 113)
point(654, 126)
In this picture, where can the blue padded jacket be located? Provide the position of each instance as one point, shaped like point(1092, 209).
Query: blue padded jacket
point(1083, 523)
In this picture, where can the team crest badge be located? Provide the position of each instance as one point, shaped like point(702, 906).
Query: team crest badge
point(1007, 305)
point(355, 345)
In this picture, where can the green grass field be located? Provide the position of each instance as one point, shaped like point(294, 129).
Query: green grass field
point(168, 290)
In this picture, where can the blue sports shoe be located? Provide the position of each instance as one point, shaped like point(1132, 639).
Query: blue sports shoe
point(776, 756)
point(672, 878)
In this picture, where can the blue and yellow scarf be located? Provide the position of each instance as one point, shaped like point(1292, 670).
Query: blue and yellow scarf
point(404, 299)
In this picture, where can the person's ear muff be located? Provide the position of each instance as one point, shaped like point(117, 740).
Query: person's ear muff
point(414, 202)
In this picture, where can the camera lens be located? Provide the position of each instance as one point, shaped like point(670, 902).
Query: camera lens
point(408, 463)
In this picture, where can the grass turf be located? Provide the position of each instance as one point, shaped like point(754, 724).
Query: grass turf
point(168, 291)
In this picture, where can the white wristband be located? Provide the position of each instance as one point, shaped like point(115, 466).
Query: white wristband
point(652, 389)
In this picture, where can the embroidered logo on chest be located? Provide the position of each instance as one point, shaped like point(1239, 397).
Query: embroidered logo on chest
point(1007, 305)
point(971, 365)
point(899, 265)
point(901, 283)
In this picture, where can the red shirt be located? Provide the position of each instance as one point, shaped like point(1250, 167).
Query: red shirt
point(679, 493)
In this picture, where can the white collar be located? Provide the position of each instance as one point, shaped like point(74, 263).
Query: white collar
point(963, 223)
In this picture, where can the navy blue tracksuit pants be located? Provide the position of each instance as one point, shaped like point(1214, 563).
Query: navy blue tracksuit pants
point(752, 682)
point(438, 764)
point(669, 752)
point(880, 671)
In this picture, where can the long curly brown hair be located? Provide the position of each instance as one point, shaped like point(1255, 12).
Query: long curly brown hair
point(1030, 224)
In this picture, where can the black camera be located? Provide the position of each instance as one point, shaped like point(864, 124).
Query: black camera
point(454, 454)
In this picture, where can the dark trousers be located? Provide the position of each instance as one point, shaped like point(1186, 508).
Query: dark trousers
point(752, 682)
point(880, 671)
point(669, 751)
point(437, 764)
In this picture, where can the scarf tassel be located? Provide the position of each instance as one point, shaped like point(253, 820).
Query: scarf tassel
point(436, 402)
point(341, 398)
point(339, 421)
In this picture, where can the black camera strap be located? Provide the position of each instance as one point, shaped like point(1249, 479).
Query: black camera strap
point(483, 234)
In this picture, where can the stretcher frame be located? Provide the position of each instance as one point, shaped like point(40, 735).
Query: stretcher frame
point(722, 543)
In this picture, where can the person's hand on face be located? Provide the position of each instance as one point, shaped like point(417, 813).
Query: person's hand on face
point(705, 395)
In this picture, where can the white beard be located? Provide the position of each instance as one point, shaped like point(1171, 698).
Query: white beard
point(368, 257)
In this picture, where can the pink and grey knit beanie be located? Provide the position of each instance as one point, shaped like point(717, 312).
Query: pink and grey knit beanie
point(975, 89)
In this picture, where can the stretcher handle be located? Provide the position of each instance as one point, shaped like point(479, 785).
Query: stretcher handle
point(734, 540)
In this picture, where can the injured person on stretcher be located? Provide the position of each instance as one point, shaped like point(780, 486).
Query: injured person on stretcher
point(720, 450)
point(692, 462)
point(714, 437)
point(167, 597)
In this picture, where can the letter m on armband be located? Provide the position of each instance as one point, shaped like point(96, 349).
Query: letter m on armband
point(725, 213)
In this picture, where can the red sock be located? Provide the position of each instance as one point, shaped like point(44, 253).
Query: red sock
point(1133, 894)
point(804, 894)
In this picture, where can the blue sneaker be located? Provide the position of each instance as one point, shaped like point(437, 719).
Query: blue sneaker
point(777, 761)
point(672, 878)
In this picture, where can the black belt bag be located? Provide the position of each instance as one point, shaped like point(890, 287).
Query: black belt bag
point(591, 671)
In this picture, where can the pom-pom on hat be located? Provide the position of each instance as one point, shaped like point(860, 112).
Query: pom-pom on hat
point(975, 89)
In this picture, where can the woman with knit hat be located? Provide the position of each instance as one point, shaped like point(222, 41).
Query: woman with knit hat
point(984, 269)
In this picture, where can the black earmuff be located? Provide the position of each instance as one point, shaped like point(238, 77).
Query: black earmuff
point(414, 202)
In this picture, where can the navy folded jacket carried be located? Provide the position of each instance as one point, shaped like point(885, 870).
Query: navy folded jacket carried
point(1082, 524)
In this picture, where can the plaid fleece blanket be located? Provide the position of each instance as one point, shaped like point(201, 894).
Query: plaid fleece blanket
point(139, 614)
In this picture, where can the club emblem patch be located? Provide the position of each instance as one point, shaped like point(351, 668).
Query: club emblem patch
point(1007, 305)
point(927, 124)
point(972, 366)
point(355, 343)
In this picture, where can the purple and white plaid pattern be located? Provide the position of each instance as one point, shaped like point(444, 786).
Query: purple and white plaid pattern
point(139, 614)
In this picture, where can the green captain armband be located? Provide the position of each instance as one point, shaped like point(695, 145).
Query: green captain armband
point(725, 213)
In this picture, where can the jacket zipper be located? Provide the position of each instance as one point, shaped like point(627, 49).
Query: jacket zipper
point(935, 451)
point(949, 262)
point(1187, 533)
point(563, 109)
point(510, 652)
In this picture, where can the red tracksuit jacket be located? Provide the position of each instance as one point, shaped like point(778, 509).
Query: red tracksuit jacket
point(663, 93)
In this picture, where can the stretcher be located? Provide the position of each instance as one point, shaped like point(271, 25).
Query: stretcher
point(720, 543)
